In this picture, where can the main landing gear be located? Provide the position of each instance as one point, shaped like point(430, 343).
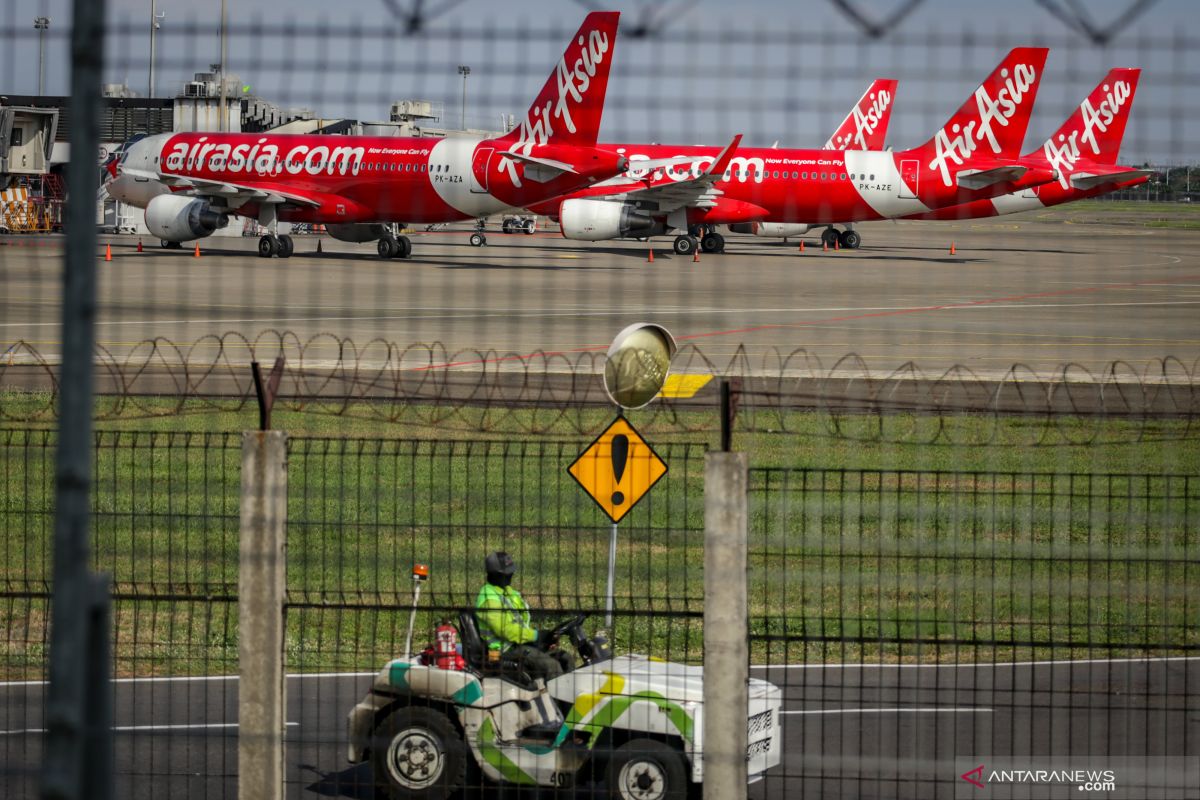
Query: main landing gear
point(704, 237)
point(394, 247)
point(169, 245)
point(849, 239)
point(273, 244)
point(281, 246)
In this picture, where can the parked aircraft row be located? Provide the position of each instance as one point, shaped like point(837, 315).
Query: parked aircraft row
point(360, 188)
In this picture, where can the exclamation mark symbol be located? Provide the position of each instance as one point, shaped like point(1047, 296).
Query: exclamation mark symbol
point(620, 454)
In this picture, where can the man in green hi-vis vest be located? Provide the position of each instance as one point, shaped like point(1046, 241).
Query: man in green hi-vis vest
point(503, 620)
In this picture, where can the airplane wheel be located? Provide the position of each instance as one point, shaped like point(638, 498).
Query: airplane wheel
point(164, 244)
point(478, 240)
point(850, 239)
point(712, 243)
point(685, 245)
point(829, 237)
point(506, 227)
point(267, 246)
point(528, 227)
point(403, 247)
point(286, 246)
point(387, 247)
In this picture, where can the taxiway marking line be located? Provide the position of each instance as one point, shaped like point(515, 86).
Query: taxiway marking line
point(894, 710)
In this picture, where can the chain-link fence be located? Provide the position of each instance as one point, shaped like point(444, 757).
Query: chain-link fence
point(972, 439)
point(948, 606)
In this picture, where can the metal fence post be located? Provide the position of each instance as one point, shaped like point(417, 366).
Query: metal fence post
point(79, 728)
point(726, 631)
point(261, 573)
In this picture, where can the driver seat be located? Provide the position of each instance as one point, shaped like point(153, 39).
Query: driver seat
point(474, 653)
point(472, 644)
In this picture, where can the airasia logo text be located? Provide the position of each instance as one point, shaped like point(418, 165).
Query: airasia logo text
point(263, 158)
point(573, 83)
point(865, 122)
point(1096, 119)
point(958, 145)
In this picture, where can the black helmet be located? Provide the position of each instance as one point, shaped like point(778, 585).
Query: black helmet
point(499, 563)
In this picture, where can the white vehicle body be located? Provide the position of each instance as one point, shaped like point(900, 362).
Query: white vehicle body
point(605, 703)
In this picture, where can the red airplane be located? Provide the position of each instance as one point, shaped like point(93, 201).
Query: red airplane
point(973, 156)
point(190, 183)
point(864, 128)
point(1083, 152)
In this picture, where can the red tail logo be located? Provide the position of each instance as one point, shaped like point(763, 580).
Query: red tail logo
point(996, 115)
point(1095, 130)
point(569, 107)
point(866, 126)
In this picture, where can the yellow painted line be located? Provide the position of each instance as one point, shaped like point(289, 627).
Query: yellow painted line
point(683, 385)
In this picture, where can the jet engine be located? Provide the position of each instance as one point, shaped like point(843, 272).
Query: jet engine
point(176, 218)
point(596, 220)
point(779, 230)
point(357, 232)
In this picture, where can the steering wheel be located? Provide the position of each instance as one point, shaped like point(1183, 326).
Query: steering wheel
point(560, 630)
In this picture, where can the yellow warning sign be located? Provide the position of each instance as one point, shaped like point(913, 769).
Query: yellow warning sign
point(618, 469)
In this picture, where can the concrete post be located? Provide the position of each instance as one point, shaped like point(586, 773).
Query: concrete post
point(261, 571)
point(726, 626)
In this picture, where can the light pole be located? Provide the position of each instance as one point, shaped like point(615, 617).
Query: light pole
point(464, 70)
point(221, 113)
point(41, 24)
point(155, 23)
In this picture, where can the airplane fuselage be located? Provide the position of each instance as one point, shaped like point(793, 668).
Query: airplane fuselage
point(347, 179)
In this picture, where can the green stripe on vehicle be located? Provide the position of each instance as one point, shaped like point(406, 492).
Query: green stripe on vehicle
point(468, 694)
point(398, 674)
point(611, 711)
point(492, 755)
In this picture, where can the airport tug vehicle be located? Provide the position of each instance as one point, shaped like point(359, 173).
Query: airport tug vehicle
point(433, 723)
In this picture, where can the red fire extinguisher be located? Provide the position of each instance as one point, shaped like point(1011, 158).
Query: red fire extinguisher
point(445, 646)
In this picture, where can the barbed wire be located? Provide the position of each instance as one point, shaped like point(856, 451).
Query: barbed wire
point(562, 392)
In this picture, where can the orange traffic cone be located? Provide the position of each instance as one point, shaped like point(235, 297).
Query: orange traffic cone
point(695, 256)
point(824, 246)
point(108, 252)
point(952, 248)
point(801, 245)
point(318, 245)
point(650, 258)
point(197, 253)
point(837, 244)
point(139, 245)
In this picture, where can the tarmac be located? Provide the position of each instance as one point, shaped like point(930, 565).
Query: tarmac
point(1037, 291)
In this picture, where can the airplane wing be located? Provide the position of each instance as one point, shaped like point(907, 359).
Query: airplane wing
point(983, 178)
point(1090, 180)
point(236, 193)
point(668, 196)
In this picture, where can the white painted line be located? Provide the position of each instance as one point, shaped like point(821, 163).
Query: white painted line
point(980, 664)
point(206, 678)
point(898, 710)
point(146, 728)
point(968, 665)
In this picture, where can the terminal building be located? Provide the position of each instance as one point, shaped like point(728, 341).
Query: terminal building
point(35, 136)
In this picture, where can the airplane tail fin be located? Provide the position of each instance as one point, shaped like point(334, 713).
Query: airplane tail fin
point(865, 127)
point(993, 120)
point(1095, 130)
point(567, 111)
